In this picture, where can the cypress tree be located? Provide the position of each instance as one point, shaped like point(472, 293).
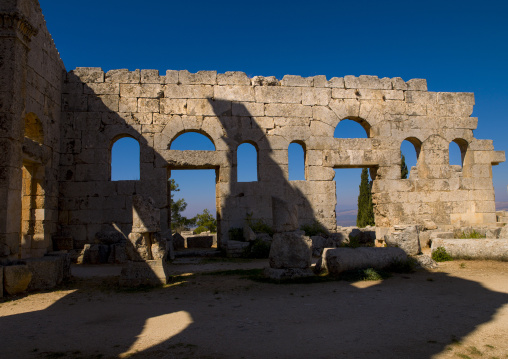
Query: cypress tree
point(403, 167)
point(365, 216)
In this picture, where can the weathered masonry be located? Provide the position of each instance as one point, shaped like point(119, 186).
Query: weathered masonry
point(57, 130)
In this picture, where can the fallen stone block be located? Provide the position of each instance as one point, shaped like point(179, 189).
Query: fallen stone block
point(200, 242)
point(235, 249)
point(483, 248)
point(406, 238)
point(146, 273)
point(16, 278)
point(338, 260)
point(178, 241)
point(441, 235)
point(291, 250)
point(47, 272)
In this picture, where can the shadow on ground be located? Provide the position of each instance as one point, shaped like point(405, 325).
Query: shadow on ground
point(413, 315)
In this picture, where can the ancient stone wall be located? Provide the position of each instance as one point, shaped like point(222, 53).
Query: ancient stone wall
point(31, 74)
point(230, 109)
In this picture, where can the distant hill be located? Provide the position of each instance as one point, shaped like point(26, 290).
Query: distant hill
point(347, 218)
point(501, 206)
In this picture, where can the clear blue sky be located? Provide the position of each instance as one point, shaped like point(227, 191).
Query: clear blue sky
point(456, 45)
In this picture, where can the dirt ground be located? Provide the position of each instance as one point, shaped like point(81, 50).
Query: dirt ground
point(459, 310)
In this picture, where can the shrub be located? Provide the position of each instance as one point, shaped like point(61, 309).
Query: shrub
point(236, 234)
point(471, 234)
point(440, 255)
point(314, 229)
point(200, 229)
point(259, 249)
point(261, 227)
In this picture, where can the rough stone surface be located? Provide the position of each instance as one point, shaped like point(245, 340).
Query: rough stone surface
point(424, 261)
point(406, 238)
point(146, 273)
point(16, 278)
point(496, 249)
point(290, 250)
point(48, 271)
point(1, 281)
point(178, 241)
point(338, 260)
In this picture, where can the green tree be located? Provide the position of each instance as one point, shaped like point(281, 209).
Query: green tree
point(205, 222)
point(178, 222)
point(403, 168)
point(365, 216)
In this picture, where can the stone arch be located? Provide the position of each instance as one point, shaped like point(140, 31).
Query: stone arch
point(201, 132)
point(408, 157)
point(362, 122)
point(292, 164)
point(240, 165)
point(463, 146)
point(136, 167)
point(33, 128)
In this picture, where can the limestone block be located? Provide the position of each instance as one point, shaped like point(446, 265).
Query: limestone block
point(345, 108)
point(147, 273)
point(291, 110)
point(188, 91)
point(74, 102)
point(336, 82)
point(285, 216)
point(423, 97)
point(102, 89)
point(144, 90)
point(498, 157)
point(455, 98)
point(148, 105)
point(103, 103)
point(386, 83)
point(233, 78)
point(320, 81)
point(319, 173)
point(234, 93)
point(47, 272)
point(417, 85)
point(72, 88)
point(351, 82)
point(199, 241)
point(170, 106)
point(296, 81)
point(86, 75)
point(338, 260)
point(145, 217)
point(405, 238)
point(128, 104)
point(399, 84)
point(123, 76)
point(340, 93)
point(199, 78)
point(61, 243)
point(278, 94)
point(495, 249)
point(171, 77)
point(151, 77)
point(16, 278)
point(178, 241)
point(369, 82)
point(248, 109)
point(393, 95)
point(1, 281)
point(265, 81)
point(290, 250)
point(248, 234)
point(316, 96)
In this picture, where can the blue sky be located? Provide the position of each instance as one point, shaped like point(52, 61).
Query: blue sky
point(456, 45)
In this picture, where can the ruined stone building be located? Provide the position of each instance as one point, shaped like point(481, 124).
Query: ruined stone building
point(57, 129)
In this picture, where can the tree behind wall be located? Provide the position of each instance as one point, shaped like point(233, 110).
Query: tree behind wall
point(403, 168)
point(178, 222)
point(365, 216)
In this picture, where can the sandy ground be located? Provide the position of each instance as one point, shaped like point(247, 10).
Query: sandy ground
point(459, 310)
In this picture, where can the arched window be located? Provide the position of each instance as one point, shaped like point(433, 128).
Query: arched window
point(352, 128)
point(247, 163)
point(296, 162)
point(125, 160)
point(189, 141)
point(409, 153)
point(457, 152)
